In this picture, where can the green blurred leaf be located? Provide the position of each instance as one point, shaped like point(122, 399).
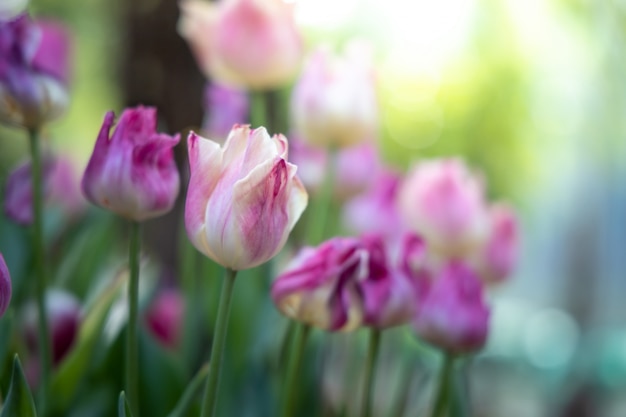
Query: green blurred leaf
point(191, 392)
point(19, 402)
point(123, 409)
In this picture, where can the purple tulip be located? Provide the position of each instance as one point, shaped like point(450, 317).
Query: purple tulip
point(224, 107)
point(61, 190)
point(5, 286)
point(33, 72)
point(243, 198)
point(499, 256)
point(165, 317)
point(132, 172)
point(452, 314)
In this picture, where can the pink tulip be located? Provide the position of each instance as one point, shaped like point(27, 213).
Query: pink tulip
point(319, 286)
point(499, 256)
point(33, 72)
point(444, 202)
point(61, 190)
point(224, 107)
point(334, 102)
point(250, 43)
point(132, 172)
point(9, 9)
point(5, 286)
point(165, 317)
point(63, 312)
point(452, 314)
point(243, 198)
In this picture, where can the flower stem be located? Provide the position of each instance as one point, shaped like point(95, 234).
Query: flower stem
point(442, 401)
point(295, 359)
point(132, 355)
point(368, 377)
point(45, 353)
point(259, 111)
point(318, 213)
point(217, 351)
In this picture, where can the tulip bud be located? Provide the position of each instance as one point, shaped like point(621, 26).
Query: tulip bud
point(224, 107)
point(60, 190)
point(452, 314)
point(33, 72)
point(5, 286)
point(63, 313)
point(319, 286)
point(334, 101)
point(243, 198)
point(250, 43)
point(499, 256)
point(444, 202)
point(9, 9)
point(165, 317)
point(132, 172)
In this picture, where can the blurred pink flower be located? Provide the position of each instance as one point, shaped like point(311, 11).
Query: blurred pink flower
point(63, 312)
point(444, 202)
point(355, 167)
point(61, 189)
point(243, 198)
point(334, 102)
point(9, 9)
point(499, 256)
point(224, 107)
point(132, 172)
point(250, 43)
point(165, 317)
point(5, 286)
point(34, 61)
point(452, 314)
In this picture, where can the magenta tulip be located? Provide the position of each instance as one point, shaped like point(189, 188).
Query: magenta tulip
point(5, 286)
point(498, 258)
point(132, 172)
point(243, 198)
point(165, 317)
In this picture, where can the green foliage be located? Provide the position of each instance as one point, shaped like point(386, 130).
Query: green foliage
point(19, 401)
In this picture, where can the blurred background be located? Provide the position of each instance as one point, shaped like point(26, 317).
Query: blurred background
point(531, 92)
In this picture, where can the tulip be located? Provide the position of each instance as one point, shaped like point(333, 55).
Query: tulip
point(499, 256)
point(334, 102)
point(132, 172)
point(224, 107)
point(165, 317)
point(243, 198)
point(319, 286)
point(63, 312)
point(444, 202)
point(60, 190)
point(33, 72)
point(5, 286)
point(9, 9)
point(452, 314)
point(249, 43)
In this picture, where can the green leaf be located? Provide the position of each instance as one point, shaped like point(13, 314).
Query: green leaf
point(192, 391)
point(123, 410)
point(19, 401)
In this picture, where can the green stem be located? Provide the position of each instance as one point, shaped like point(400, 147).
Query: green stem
point(368, 377)
point(293, 368)
point(132, 355)
point(217, 351)
point(320, 207)
point(45, 353)
point(442, 401)
point(259, 111)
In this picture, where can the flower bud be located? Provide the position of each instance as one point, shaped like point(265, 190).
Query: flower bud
point(224, 107)
point(250, 43)
point(444, 202)
point(334, 102)
point(9, 9)
point(165, 317)
point(452, 314)
point(243, 198)
point(319, 286)
point(33, 72)
point(63, 312)
point(132, 172)
point(60, 190)
point(5, 286)
point(499, 256)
